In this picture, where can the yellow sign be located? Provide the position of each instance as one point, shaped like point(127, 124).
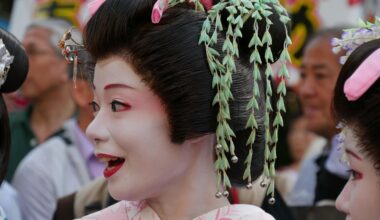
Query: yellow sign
point(304, 23)
point(64, 9)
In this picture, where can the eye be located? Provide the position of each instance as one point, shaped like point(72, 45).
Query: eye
point(354, 175)
point(94, 106)
point(320, 76)
point(118, 106)
point(302, 75)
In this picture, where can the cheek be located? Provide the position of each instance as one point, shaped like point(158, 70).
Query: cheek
point(365, 200)
point(34, 71)
point(146, 139)
point(140, 133)
point(327, 97)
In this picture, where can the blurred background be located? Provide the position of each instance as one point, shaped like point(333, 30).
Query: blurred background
point(308, 17)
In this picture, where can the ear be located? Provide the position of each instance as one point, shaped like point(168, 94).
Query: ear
point(82, 92)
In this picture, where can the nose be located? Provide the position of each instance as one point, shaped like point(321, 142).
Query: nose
point(307, 86)
point(97, 129)
point(343, 200)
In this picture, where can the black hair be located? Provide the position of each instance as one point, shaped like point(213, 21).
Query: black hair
point(169, 59)
point(363, 114)
point(15, 77)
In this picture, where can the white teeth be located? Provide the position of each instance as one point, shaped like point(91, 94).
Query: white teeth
point(104, 160)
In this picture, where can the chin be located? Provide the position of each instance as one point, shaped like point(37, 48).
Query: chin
point(117, 195)
point(122, 193)
point(314, 126)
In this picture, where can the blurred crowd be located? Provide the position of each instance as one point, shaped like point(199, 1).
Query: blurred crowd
point(53, 173)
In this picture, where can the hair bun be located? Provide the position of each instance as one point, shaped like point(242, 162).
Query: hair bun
point(19, 67)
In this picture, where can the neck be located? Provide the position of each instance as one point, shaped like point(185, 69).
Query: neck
point(194, 194)
point(50, 112)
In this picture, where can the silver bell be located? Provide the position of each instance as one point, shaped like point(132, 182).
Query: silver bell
point(263, 184)
point(218, 195)
point(226, 193)
point(271, 201)
point(249, 186)
point(234, 159)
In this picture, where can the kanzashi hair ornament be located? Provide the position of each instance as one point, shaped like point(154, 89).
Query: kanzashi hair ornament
point(363, 78)
point(70, 51)
point(354, 37)
point(94, 6)
point(223, 66)
point(340, 139)
point(161, 5)
point(369, 71)
point(5, 62)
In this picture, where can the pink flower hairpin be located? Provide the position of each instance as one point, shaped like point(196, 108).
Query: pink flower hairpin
point(363, 77)
point(158, 10)
point(162, 5)
point(95, 5)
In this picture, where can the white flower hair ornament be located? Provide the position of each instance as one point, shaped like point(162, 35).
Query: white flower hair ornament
point(369, 71)
point(5, 62)
point(341, 138)
point(354, 37)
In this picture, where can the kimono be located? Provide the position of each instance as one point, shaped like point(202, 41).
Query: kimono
point(125, 210)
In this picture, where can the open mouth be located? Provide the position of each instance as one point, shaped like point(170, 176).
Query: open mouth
point(113, 164)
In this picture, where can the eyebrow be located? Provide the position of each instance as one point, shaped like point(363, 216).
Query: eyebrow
point(353, 154)
point(117, 85)
point(317, 66)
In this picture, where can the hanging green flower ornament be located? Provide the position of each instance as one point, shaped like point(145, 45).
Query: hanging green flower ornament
point(222, 67)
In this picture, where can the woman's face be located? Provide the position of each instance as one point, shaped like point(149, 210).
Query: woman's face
point(132, 135)
point(360, 198)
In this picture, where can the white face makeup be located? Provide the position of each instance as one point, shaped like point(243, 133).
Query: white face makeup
point(360, 198)
point(132, 135)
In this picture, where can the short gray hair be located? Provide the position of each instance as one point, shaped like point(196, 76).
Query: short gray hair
point(57, 28)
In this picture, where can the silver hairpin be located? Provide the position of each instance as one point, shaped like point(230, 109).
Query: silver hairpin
point(5, 62)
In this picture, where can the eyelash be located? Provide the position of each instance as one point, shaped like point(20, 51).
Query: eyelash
point(94, 106)
point(354, 175)
point(114, 104)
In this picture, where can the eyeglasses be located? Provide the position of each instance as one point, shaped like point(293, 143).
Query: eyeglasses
point(32, 52)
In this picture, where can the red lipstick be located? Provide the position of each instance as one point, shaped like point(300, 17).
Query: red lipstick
point(113, 164)
point(109, 171)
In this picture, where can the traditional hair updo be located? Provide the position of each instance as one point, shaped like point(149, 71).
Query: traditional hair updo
point(169, 59)
point(15, 77)
point(362, 115)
